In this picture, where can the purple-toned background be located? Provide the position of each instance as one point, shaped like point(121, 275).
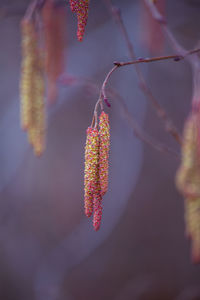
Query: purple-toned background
point(49, 250)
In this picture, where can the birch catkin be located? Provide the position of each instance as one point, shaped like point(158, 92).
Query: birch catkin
point(32, 88)
point(91, 168)
point(29, 57)
point(188, 182)
point(80, 7)
point(39, 108)
point(104, 133)
point(96, 169)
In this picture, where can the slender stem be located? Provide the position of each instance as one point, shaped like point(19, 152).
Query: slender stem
point(30, 10)
point(102, 94)
point(175, 57)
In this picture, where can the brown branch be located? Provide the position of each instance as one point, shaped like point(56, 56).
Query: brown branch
point(175, 57)
point(169, 126)
point(193, 59)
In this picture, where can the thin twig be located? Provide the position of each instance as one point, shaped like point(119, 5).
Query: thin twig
point(123, 64)
point(169, 126)
point(175, 57)
point(30, 10)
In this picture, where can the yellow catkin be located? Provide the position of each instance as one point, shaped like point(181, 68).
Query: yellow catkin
point(188, 175)
point(195, 234)
point(32, 88)
point(104, 133)
point(39, 108)
point(188, 182)
point(29, 57)
point(91, 169)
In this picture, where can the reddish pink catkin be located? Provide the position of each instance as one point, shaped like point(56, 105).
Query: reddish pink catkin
point(80, 7)
point(104, 133)
point(91, 169)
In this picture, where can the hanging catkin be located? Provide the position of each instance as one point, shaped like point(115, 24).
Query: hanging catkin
point(104, 133)
point(188, 182)
point(91, 168)
point(29, 57)
point(80, 7)
point(96, 168)
point(32, 88)
point(39, 107)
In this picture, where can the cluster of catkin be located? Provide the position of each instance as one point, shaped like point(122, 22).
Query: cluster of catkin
point(80, 7)
point(32, 88)
point(96, 168)
point(188, 181)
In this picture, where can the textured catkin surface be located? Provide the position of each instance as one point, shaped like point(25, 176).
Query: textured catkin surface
point(81, 8)
point(29, 57)
point(91, 169)
point(104, 133)
point(32, 88)
point(188, 182)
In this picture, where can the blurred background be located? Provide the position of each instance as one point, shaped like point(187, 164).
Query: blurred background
point(49, 250)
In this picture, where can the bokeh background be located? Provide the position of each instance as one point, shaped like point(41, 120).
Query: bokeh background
point(49, 250)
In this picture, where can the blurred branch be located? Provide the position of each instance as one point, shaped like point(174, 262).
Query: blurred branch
point(193, 60)
point(169, 126)
point(138, 131)
point(163, 23)
point(19, 10)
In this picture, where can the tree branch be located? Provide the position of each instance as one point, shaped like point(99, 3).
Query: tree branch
point(161, 113)
point(118, 65)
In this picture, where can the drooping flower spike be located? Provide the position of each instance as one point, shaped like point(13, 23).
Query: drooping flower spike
point(81, 8)
point(91, 169)
point(104, 132)
point(188, 182)
point(29, 57)
point(96, 169)
point(32, 88)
